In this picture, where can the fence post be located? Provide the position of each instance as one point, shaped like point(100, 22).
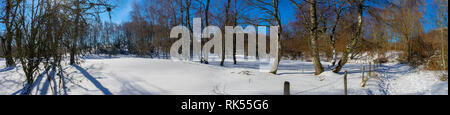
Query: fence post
point(374, 68)
point(345, 83)
point(363, 79)
point(287, 88)
point(363, 70)
point(377, 64)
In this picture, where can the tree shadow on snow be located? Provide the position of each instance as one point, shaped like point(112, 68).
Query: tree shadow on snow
point(7, 69)
point(93, 80)
point(295, 73)
point(36, 83)
point(47, 83)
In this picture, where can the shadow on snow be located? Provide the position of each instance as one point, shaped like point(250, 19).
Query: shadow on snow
point(31, 86)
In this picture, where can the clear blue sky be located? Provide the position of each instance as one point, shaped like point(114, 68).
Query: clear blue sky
point(121, 12)
point(428, 15)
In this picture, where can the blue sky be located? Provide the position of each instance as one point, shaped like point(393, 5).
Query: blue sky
point(121, 12)
point(428, 15)
point(118, 15)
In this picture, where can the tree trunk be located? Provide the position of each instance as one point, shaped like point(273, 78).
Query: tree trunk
point(354, 41)
point(7, 41)
point(76, 34)
point(207, 13)
point(8, 53)
point(227, 20)
point(275, 4)
point(234, 38)
point(188, 15)
point(314, 36)
point(181, 13)
point(333, 34)
point(444, 66)
point(206, 25)
point(442, 12)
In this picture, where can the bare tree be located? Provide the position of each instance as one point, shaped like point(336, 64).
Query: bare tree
point(8, 19)
point(205, 9)
point(271, 9)
point(42, 28)
point(29, 40)
point(313, 29)
point(338, 9)
point(234, 39)
point(406, 22)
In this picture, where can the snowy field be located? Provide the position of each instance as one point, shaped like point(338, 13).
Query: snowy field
point(140, 76)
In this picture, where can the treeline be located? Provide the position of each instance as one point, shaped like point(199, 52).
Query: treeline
point(147, 34)
point(41, 33)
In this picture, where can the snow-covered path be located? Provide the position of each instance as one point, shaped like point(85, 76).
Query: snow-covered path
point(139, 76)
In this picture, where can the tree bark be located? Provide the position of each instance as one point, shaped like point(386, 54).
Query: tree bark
point(333, 35)
point(442, 12)
point(7, 41)
point(76, 34)
point(314, 36)
point(234, 38)
point(207, 12)
point(276, 15)
point(206, 25)
point(227, 20)
point(354, 41)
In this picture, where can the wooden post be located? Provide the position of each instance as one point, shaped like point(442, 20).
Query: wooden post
point(363, 70)
point(363, 79)
point(287, 88)
point(374, 67)
point(345, 83)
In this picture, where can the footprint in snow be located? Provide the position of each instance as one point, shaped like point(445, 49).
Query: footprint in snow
point(243, 73)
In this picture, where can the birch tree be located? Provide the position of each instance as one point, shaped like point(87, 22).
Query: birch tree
point(271, 9)
point(313, 29)
point(227, 22)
point(10, 8)
point(81, 9)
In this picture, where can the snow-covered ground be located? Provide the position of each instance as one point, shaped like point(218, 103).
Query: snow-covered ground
point(122, 75)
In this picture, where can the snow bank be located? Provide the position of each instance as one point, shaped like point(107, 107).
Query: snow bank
point(140, 76)
point(418, 83)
